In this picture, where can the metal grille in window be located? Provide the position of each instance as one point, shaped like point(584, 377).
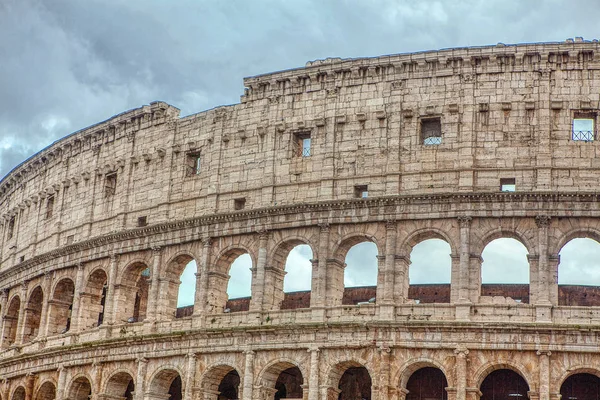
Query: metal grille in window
point(583, 127)
point(586, 136)
point(431, 131)
point(432, 140)
point(301, 145)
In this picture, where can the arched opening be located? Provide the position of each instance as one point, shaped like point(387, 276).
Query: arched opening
point(121, 386)
point(427, 383)
point(11, 321)
point(581, 386)
point(355, 383)
point(33, 315)
point(230, 285)
point(59, 320)
point(579, 273)
point(430, 272)
point(179, 284)
point(289, 384)
point(80, 389)
point(46, 392)
point(504, 384)
point(359, 274)
point(19, 393)
point(505, 270)
point(93, 300)
point(221, 382)
point(132, 294)
point(298, 278)
point(167, 384)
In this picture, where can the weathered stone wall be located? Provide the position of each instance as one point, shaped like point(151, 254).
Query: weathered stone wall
point(96, 230)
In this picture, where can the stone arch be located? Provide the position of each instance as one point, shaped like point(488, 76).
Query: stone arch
point(344, 244)
point(281, 250)
point(226, 256)
point(338, 371)
point(11, 321)
point(498, 233)
point(80, 388)
point(489, 367)
point(277, 279)
point(170, 284)
point(413, 365)
point(334, 371)
point(46, 391)
point(33, 314)
point(423, 234)
point(219, 276)
point(120, 384)
point(212, 381)
point(131, 296)
point(579, 232)
point(269, 376)
point(18, 393)
point(164, 379)
point(573, 370)
point(61, 304)
point(93, 299)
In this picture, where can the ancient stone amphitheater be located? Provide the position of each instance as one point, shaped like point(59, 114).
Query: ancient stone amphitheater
point(465, 145)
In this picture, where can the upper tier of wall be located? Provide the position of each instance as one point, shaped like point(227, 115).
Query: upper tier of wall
point(504, 111)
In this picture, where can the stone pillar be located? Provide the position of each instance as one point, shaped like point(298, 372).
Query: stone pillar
point(534, 280)
point(248, 382)
point(461, 354)
point(3, 306)
point(29, 385)
point(553, 262)
point(154, 306)
point(140, 378)
point(401, 283)
point(75, 317)
point(61, 383)
point(384, 373)
point(23, 307)
point(313, 379)
point(385, 296)
point(110, 299)
point(544, 388)
point(201, 299)
point(96, 375)
point(319, 272)
point(258, 282)
point(335, 282)
point(190, 376)
point(543, 307)
point(475, 262)
point(463, 304)
point(46, 287)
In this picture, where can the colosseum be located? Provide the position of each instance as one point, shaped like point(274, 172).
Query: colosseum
point(464, 145)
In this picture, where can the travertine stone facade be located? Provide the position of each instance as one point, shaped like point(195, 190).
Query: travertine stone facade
point(96, 229)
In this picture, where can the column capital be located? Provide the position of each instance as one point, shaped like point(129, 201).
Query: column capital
point(544, 353)
point(542, 220)
point(114, 257)
point(24, 286)
point(156, 249)
point(391, 224)
point(324, 227)
point(142, 360)
point(313, 349)
point(80, 266)
point(191, 355)
point(206, 241)
point(263, 234)
point(461, 352)
point(464, 221)
point(249, 353)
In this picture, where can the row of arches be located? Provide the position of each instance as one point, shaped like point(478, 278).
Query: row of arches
point(285, 381)
point(49, 310)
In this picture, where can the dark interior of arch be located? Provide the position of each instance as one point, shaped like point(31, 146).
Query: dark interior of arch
point(19, 394)
point(228, 388)
point(175, 389)
point(504, 384)
point(355, 383)
point(46, 392)
point(129, 390)
point(81, 389)
point(581, 387)
point(289, 384)
point(426, 384)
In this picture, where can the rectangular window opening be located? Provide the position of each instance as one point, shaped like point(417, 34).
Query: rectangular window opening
point(302, 144)
point(361, 191)
point(584, 127)
point(239, 204)
point(431, 131)
point(110, 184)
point(11, 227)
point(49, 207)
point(142, 221)
point(508, 185)
point(193, 164)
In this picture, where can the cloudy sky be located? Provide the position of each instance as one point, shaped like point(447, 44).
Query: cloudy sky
point(67, 64)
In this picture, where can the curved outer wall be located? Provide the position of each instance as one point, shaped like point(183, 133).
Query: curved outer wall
point(99, 206)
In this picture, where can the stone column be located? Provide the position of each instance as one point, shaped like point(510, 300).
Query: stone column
point(475, 262)
point(75, 317)
point(248, 382)
point(258, 281)
point(553, 262)
point(463, 305)
point(3, 305)
point(61, 383)
point(29, 385)
point(319, 272)
point(313, 379)
point(385, 296)
point(454, 278)
point(543, 306)
point(201, 299)
point(461, 354)
point(401, 283)
point(190, 376)
point(154, 306)
point(534, 280)
point(22, 308)
point(46, 287)
point(96, 374)
point(110, 299)
point(384, 373)
point(140, 378)
point(544, 388)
